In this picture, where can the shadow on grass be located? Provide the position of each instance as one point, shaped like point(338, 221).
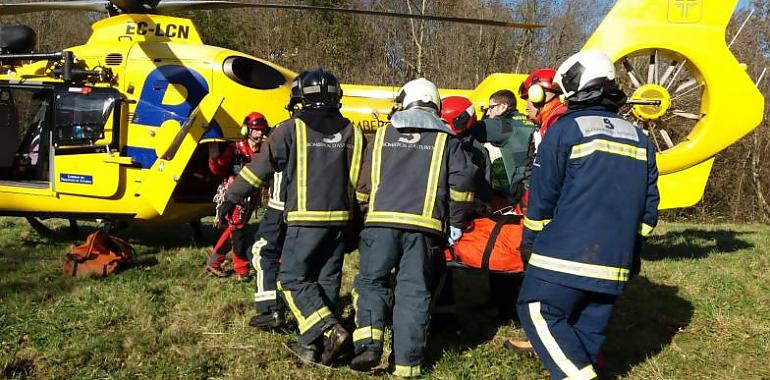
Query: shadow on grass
point(645, 321)
point(19, 369)
point(468, 312)
point(693, 243)
point(173, 236)
point(163, 237)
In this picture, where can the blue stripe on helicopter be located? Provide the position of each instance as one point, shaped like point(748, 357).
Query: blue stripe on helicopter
point(150, 109)
point(214, 132)
point(145, 157)
point(76, 178)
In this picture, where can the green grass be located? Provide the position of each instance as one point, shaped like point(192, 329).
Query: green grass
point(700, 310)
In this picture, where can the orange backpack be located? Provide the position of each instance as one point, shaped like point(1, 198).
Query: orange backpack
point(100, 255)
point(490, 243)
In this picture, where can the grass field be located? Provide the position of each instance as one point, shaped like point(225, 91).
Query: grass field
point(700, 310)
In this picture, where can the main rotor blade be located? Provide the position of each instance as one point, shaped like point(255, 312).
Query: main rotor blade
point(82, 5)
point(182, 5)
point(135, 6)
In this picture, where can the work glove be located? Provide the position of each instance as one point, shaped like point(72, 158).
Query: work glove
point(518, 192)
point(454, 235)
point(224, 209)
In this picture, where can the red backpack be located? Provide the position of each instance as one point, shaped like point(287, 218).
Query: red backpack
point(490, 243)
point(100, 255)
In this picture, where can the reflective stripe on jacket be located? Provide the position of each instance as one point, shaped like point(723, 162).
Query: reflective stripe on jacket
point(419, 179)
point(593, 195)
point(321, 172)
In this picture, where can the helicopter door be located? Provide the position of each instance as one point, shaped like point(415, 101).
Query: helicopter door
point(25, 138)
point(86, 139)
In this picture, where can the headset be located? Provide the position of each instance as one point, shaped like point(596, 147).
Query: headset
point(536, 94)
point(541, 82)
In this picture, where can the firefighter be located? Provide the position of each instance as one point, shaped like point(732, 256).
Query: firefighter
point(544, 108)
point(460, 115)
point(599, 172)
point(229, 163)
point(320, 154)
point(418, 185)
point(268, 242)
point(505, 128)
point(543, 97)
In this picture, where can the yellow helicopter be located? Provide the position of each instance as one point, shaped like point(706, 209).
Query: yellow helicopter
point(118, 128)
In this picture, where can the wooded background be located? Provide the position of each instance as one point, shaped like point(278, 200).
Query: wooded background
point(389, 51)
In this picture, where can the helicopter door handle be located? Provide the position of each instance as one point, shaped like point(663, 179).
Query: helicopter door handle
point(119, 160)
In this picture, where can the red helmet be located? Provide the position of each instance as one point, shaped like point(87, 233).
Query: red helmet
point(459, 113)
point(536, 85)
point(254, 120)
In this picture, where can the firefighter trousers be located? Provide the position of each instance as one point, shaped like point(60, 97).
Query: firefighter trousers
point(309, 277)
point(409, 252)
point(565, 325)
point(239, 241)
point(265, 258)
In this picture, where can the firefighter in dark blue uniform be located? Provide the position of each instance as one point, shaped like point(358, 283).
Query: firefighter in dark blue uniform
point(320, 154)
point(593, 198)
point(420, 182)
point(268, 241)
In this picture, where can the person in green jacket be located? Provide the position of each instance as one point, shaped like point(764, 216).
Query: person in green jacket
point(505, 128)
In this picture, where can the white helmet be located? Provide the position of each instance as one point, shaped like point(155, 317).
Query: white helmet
point(582, 70)
point(419, 93)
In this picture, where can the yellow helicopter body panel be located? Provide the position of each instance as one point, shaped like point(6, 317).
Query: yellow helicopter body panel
point(695, 31)
point(178, 97)
point(368, 106)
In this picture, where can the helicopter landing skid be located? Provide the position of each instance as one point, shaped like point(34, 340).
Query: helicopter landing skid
point(43, 230)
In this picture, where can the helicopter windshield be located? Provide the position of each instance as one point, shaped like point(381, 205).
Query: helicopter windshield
point(81, 117)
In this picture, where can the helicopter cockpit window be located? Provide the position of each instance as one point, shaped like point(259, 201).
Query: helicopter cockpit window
point(253, 73)
point(80, 118)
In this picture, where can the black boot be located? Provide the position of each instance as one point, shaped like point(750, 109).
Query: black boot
point(334, 342)
point(269, 320)
point(307, 353)
point(365, 360)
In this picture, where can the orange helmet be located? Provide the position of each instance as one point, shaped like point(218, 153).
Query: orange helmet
point(536, 85)
point(254, 120)
point(459, 113)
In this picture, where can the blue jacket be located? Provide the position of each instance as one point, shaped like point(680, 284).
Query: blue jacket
point(593, 196)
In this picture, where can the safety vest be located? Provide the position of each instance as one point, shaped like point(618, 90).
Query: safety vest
point(411, 182)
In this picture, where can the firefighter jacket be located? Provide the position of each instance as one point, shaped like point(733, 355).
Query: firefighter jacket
point(277, 199)
point(419, 179)
point(593, 196)
point(511, 133)
point(277, 192)
point(479, 156)
point(321, 163)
